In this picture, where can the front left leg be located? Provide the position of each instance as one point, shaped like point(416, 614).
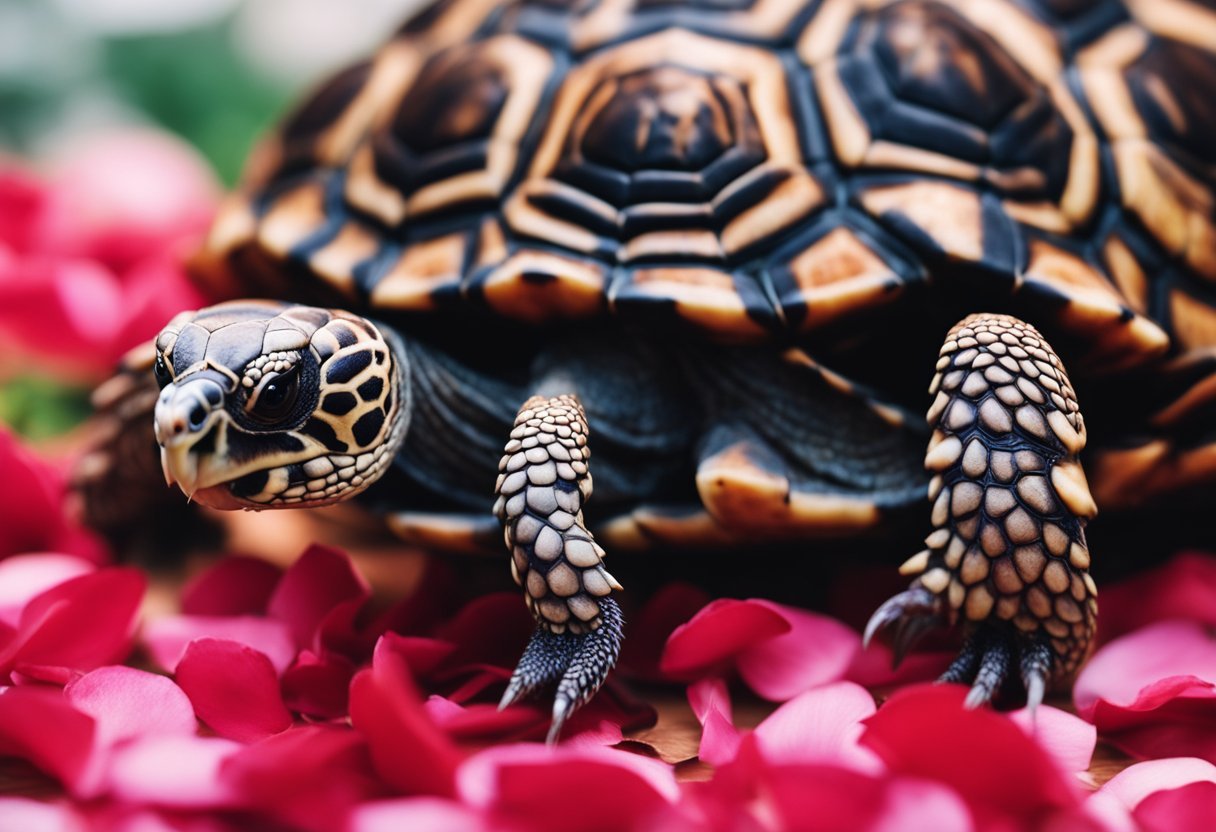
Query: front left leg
point(542, 484)
point(1010, 502)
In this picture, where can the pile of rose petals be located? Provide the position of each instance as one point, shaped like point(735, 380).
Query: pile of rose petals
point(295, 699)
point(91, 251)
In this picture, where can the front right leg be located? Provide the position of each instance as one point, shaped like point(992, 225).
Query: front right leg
point(542, 484)
point(1010, 503)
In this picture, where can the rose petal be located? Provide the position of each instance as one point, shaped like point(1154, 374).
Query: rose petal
point(82, 623)
point(234, 689)
point(318, 581)
point(710, 701)
point(1184, 587)
point(816, 650)
point(874, 667)
point(172, 770)
point(318, 686)
point(307, 778)
point(418, 814)
point(820, 725)
point(717, 635)
point(652, 626)
point(1188, 807)
point(166, 638)
point(924, 731)
point(408, 750)
point(492, 629)
point(235, 585)
point(1113, 803)
point(22, 577)
point(40, 726)
point(1120, 671)
point(1069, 740)
point(21, 813)
point(545, 787)
point(125, 703)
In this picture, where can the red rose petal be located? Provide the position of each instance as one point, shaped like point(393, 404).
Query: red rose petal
point(1188, 807)
point(418, 814)
point(317, 582)
point(1185, 587)
point(423, 656)
point(550, 788)
point(1113, 803)
point(22, 577)
point(408, 750)
point(174, 771)
point(492, 629)
point(318, 686)
point(873, 667)
point(234, 689)
point(925, 731)
point(125, 703)
point(307, 778)
point(40, 726)
point(23, 202)
point(82, 623)
point(717, 635)
point(166, 638)
point(651, 626)
point(235, 585)
point(816, 650)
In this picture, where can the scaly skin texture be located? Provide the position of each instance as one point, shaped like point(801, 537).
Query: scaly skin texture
point(1010, 503)
point(542, 484)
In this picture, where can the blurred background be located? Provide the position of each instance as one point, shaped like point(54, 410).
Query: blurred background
point(215, 72)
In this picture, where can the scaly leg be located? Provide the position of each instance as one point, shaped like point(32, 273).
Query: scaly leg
point(1010, 504)
point(542, 484)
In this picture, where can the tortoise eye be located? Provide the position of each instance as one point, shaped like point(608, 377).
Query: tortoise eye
point(161, 370)
point(275, 397)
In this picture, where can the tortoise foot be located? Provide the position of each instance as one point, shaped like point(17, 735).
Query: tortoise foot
point(988, 658)
point(578, 662)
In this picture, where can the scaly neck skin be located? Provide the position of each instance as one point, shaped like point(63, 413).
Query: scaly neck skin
point(457, 418)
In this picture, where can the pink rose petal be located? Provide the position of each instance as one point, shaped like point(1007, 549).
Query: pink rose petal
point(814, 651)
point(710, 701)
point(1069, 740)
point(40, 726)
point(21, 813)
point(318, 581)
point(125, 703)
point(873, 667)
point(820, 725)
point(418, 814)
point(1153, 693)
point(166, 638)
point(1113, 804)
point(717, 635)
point(80, 624)
point(173, 771)
point(408, 750)
point(653, 624)
point(235, 585)
point(234, 689)
point(22, 577)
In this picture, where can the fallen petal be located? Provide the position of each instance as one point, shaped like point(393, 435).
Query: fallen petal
point(39, 725)
point(166, 638)
point(716, 635)
point(1188, 807)
point(235, 585)
point(1184, 587)
point(173, 771)
point(418, 814)
point(814, 651)
point(1069, 739)
point(125, 703)
point(820, 725)
point(22, 577)
point(710, 701)
point(233, 688)
point(319, 580)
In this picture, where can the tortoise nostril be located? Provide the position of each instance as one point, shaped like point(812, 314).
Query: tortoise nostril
point(198, 415)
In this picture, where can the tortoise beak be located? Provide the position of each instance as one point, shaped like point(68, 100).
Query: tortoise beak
point(185, 424)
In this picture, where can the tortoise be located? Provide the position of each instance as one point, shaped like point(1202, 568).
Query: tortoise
point(727, 237)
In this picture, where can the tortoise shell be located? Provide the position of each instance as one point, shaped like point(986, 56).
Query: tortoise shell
point(772, 171)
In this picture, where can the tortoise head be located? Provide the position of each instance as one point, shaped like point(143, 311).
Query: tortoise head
point(273, 405)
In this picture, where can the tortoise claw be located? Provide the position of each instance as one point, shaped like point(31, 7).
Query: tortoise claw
point(578, 663)
point(994, 668)
point(988, 657)
point(914, 611)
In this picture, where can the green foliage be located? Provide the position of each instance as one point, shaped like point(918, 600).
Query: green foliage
point(38, 408)
point(195, 84)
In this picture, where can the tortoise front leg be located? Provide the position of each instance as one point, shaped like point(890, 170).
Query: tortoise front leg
point(1010, 504)
point(542, 484)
